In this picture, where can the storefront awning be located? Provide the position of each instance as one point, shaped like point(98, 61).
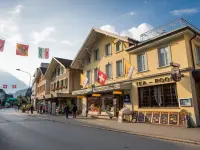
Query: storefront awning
point(117, 86)
point(57, 95)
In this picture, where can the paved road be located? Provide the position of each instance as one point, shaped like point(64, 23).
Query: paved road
point(20, 132)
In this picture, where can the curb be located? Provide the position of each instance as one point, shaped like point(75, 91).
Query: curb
point(123, 131)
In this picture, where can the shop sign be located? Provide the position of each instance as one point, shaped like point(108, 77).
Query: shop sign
point(157, 80)
point(96, 95)
point(117, 92)
point(186, 102)
point(106, 88)
point(176, 74)
point(79, 92)
point(80, 97)
point(127, 99)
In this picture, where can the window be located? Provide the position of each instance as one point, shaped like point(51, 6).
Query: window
point(58, 70)
point(89, 77)
point(66, 82)
point(96, 55)
point(88, 60)
point(142, 62)
point(158, 96)
point(119, 68)
point(61, 83)
point(108, 50)
point(164, 56)
point(119, 46)
point(198, 53)
point(95, 74)
point(57, 84)
point(108, 70)
point(61, 70)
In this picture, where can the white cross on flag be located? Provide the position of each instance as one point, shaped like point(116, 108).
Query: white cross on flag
point(101, 77)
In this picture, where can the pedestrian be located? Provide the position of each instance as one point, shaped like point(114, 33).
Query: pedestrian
point(74, 109)
point(32, 109)
point(66, 110)
point(40, 109)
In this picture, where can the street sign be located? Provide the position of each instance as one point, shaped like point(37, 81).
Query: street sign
point(127, 99)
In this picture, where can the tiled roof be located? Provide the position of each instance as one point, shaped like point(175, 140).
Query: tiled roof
point(64, 62)
point(43, 70)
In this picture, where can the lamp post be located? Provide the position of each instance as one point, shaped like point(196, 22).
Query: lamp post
point(29, 80)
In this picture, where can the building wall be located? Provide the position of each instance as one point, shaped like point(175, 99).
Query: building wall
point(180, 53)
point(42, 82)
point(101, 63)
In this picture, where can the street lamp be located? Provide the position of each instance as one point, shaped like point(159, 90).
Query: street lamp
point(29, 80)
point(28, 74)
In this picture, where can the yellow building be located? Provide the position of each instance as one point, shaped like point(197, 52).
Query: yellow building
point(62, 80)
point(103, 51)
point(157, 96)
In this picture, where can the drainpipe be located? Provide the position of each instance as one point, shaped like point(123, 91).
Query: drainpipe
point(191, 50)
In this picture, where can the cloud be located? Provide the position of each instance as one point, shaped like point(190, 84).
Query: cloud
point(132, 13)
point(180, 12)
point(16, 10)
point(43, 36)
point(109, 28)
point(135, 32)
point(67, 43)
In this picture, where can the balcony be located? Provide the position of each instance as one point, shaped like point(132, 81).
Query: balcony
point(172, 26)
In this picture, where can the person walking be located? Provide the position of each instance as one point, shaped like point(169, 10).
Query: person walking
point(32, 109)
point(74, 110)
point(66, 110)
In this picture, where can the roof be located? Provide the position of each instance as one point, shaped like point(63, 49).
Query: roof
point(64, 62)
point(92, 35)
point(162, 36)
point(43, 70)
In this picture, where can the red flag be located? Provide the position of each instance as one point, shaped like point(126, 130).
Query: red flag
point(2, 42)
point(101, 77)
point(5, 86)
point(47, 54)
point(22, 49)
point(14, 86)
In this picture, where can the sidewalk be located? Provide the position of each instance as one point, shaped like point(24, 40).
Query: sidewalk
point(187, 135)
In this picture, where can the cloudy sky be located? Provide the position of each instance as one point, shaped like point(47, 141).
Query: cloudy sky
point(62, 25)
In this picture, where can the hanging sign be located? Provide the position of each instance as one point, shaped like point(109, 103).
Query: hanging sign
point(176, 74)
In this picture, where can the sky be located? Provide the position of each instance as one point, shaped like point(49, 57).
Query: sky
point(63, 25)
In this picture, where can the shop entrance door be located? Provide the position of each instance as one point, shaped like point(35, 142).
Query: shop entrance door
point(119, 104)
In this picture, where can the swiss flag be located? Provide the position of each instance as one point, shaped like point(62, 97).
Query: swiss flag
point(14, 86)
point(101, 77)
point(5, 86)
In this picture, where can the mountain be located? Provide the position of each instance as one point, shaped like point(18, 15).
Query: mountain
point(20, 92)
point(9, 79)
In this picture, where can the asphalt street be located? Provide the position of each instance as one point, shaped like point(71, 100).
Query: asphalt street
point(22, 132)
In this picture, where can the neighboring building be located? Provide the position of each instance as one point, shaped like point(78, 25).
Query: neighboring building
point(2, 96)
point(62, 81)
point(154, 94)
point(104, 51)
point(39, 85)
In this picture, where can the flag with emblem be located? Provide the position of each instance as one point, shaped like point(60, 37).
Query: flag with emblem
point(128, 69)
point(14, 86)
point(22, 49)
point(2, 42)
point(43, 53)
point(101, 77)
point(5, 86)
point(83, 80)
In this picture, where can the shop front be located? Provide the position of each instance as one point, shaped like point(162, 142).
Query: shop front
point(105, 100)
point(162, 100)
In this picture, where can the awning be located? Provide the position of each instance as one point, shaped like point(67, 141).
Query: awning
point(107, 88)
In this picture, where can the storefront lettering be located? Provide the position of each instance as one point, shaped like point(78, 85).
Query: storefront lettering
point(163, 80)
point(158, 80)
point(141, 83)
